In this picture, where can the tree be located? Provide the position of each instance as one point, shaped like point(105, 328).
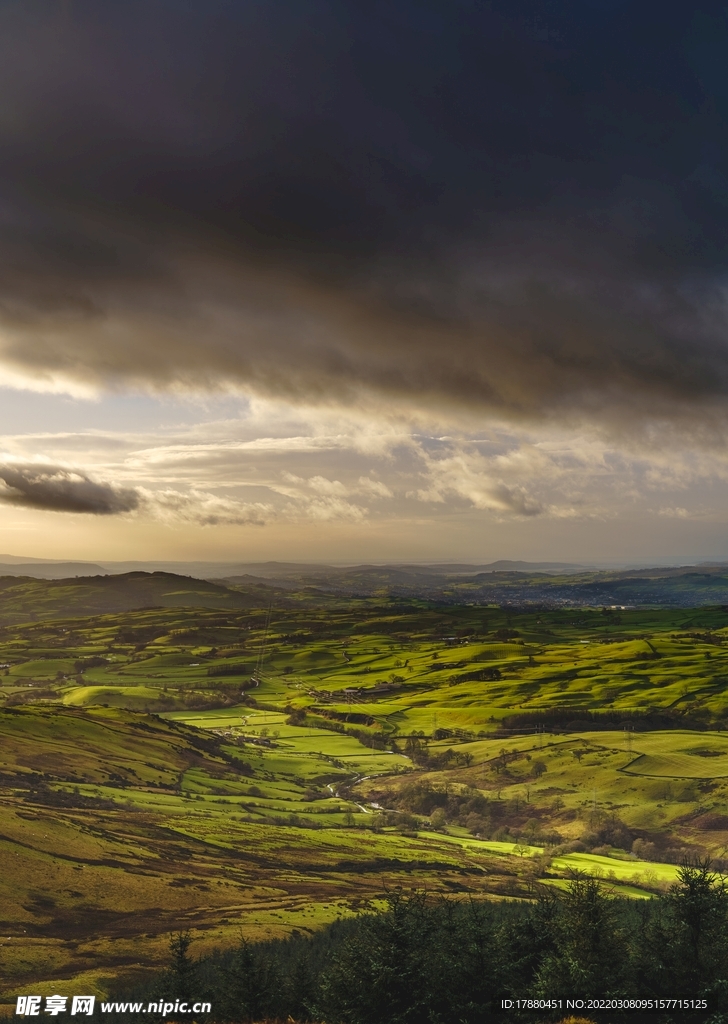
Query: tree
point(300, 988)
point(690, 941)
point(590, 953)
point(182, 972)
point(423, 960)
point(251, 984)
point(438, 818)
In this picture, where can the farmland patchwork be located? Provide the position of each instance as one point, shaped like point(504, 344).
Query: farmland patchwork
point(230, 767)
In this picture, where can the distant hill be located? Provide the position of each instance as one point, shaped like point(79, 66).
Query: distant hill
point(293, 570)
point(309, 573)
point(30, 598)
point(367, 579)
point(54, 569)
point(51, 570)
point(685, 586)
point(6, 559)
point(23, 599)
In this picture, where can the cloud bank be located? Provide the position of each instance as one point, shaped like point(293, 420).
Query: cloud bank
point(516, 209)
point(55, 489)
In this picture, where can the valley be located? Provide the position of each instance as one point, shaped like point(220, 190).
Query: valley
point(265, 770)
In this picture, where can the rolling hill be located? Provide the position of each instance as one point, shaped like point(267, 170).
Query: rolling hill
point(23, 599)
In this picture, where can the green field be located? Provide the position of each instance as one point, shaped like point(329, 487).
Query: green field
point(271, 769)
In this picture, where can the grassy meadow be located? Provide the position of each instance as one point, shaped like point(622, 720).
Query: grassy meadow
point(264, 770)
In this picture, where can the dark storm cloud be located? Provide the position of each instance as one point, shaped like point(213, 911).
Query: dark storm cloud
point(54, 489)
point(520, 206)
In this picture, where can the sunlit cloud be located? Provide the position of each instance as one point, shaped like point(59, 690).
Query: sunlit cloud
point(203, 509)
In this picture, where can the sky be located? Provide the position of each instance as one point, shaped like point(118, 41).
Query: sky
point(308, 280)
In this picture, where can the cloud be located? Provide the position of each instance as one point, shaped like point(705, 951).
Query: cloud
point(55, 489)
point(326, 509)
point(458, 472)
point(320, 499)
point(374, 488)
point(514, 499)
point(675, 513)
point(225, 477)
point(208, 475)
point(327, 488)
point(204, 509)
point(444, 209)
